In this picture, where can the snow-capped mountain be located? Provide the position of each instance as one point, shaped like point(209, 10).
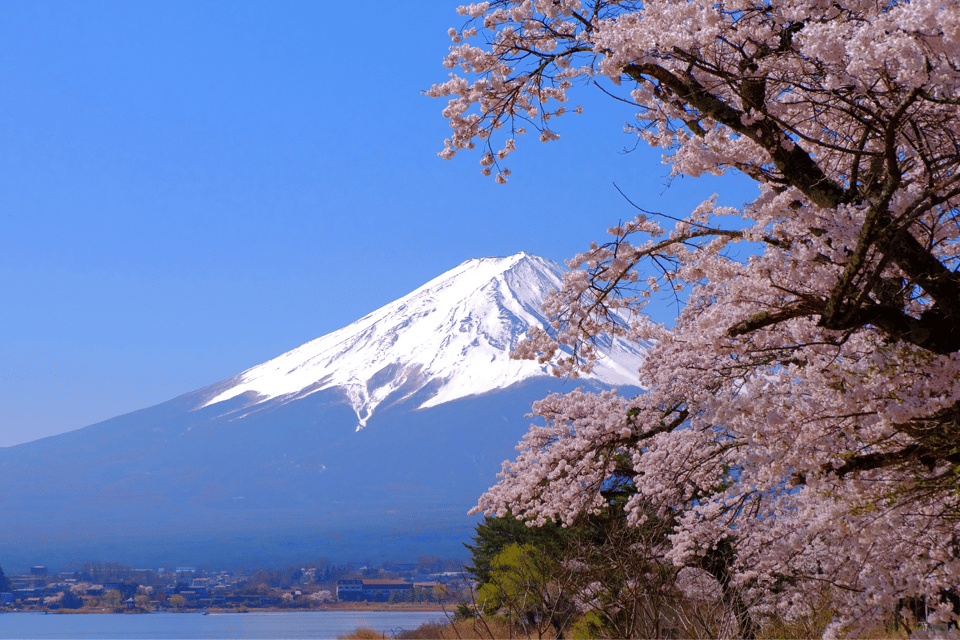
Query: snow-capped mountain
point(453, 334)
point(274, 465)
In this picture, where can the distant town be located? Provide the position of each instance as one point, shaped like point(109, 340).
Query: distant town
point(429, 583)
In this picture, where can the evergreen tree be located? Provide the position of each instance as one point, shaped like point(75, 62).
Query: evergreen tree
point(71, 600)
point(4, 581)
point(495, 534)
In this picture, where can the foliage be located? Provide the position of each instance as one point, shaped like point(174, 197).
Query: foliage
point(586, 627)
point(143, 601)
point(128, 589)
point(320, 596)
point(112, 598)
point(70, 600)
point(599, 577)
point(495, 534)
point(4, 581)
point(802, 417)
point(528, 584)
point(463, 612)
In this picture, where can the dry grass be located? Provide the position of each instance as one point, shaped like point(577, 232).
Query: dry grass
point(363, 633)
point(460, 630)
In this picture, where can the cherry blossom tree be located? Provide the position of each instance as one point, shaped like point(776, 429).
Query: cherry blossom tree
point(804, 410)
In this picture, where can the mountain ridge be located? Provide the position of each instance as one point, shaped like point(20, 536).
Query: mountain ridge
point(484, 306)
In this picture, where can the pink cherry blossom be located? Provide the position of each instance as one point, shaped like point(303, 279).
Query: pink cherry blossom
point(806, 404)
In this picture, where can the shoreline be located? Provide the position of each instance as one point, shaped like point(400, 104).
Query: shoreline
point(399, 607)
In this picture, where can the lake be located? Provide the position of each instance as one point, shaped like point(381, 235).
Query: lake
point(240, 626)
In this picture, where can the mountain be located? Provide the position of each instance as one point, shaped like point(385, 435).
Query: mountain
point(452, 336)
point(370, 442)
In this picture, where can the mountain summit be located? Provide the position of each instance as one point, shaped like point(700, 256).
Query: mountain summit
point(371, 442)
point(451, 337)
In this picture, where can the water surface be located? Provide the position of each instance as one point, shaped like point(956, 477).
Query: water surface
point(180, 626)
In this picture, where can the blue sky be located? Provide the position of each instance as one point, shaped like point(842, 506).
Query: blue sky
point(188, 189)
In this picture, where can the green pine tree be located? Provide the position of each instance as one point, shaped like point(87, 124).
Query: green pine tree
point(496, 534)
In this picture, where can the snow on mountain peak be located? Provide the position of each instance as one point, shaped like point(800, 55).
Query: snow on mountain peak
point(454, 333)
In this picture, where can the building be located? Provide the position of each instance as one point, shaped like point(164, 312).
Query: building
point(371, 590)
point(28, 581)
point(349, 589)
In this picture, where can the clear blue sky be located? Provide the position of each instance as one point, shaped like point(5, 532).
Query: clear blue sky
point(188, 189)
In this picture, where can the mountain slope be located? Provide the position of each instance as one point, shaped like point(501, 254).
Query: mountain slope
point(270, 466)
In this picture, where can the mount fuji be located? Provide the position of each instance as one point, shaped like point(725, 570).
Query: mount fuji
point(452, 336)
point(369, 442)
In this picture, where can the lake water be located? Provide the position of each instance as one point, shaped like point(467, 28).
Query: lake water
point(240, 626)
